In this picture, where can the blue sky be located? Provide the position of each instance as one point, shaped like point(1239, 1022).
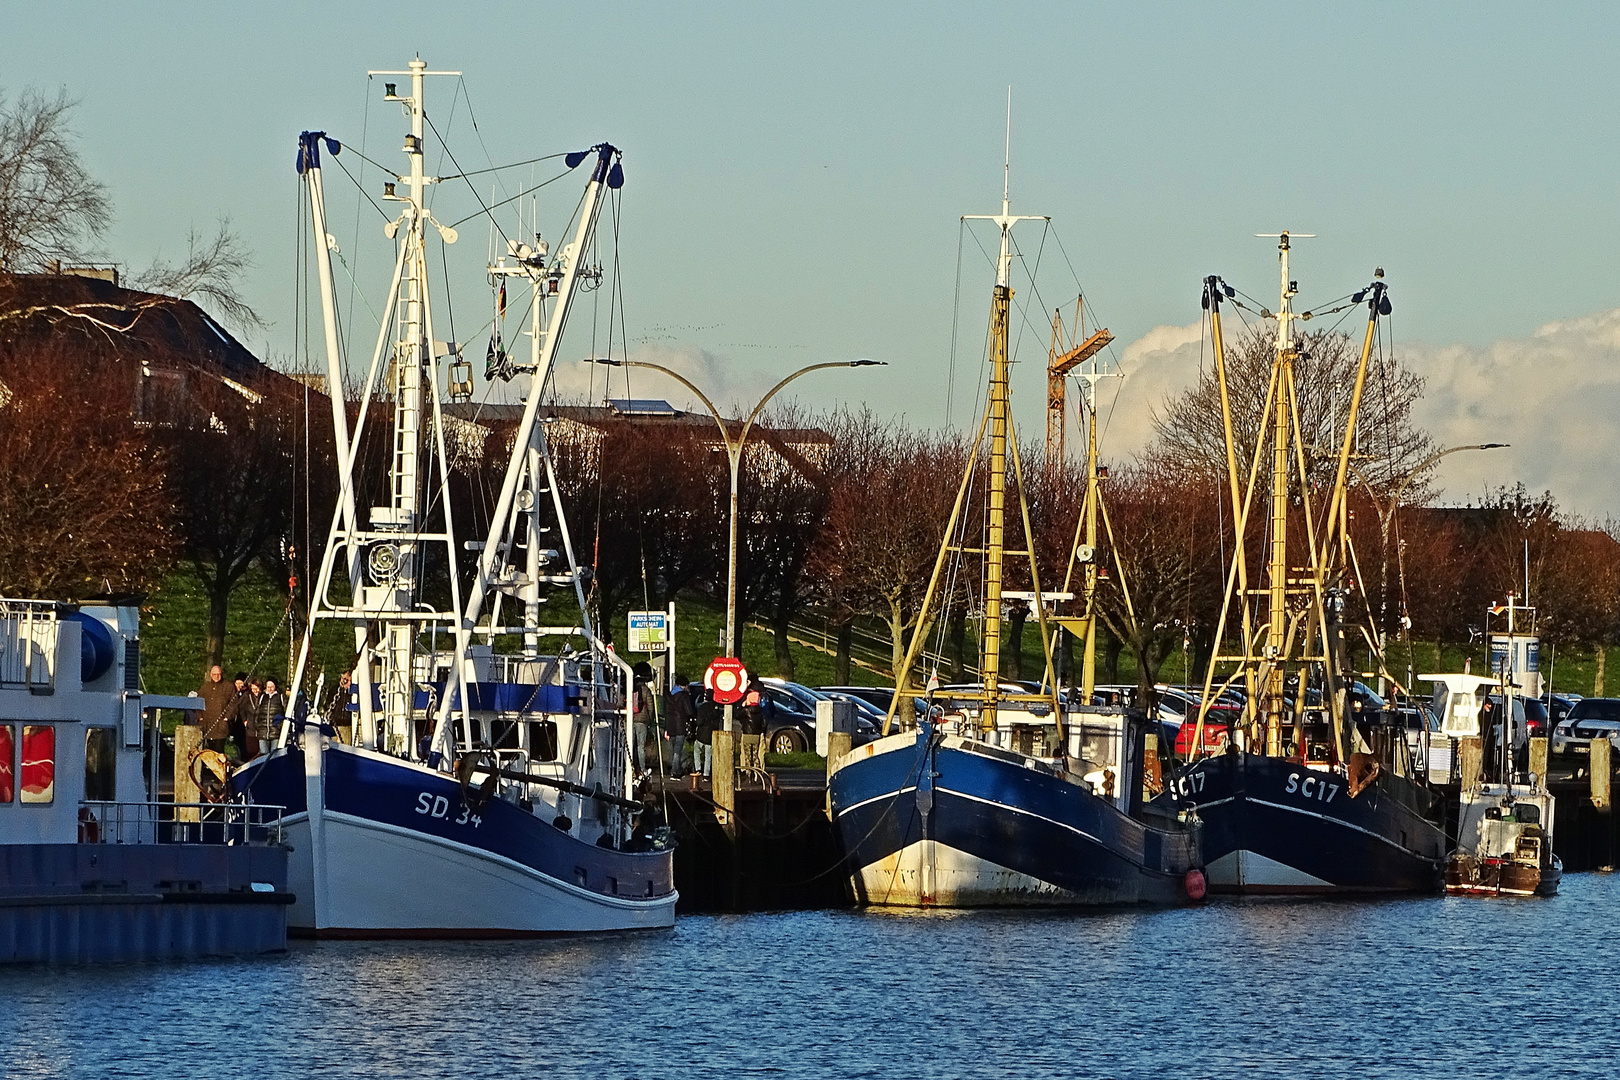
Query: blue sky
point(796, 172)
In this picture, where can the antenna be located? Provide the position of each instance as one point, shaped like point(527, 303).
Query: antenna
point(1006, 166)
point(1005, 220)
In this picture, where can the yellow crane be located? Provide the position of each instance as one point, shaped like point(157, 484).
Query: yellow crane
point(1060, 361)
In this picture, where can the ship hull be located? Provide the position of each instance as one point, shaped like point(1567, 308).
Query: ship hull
point(402, 855)
point(988, 828)
point(1273, 826)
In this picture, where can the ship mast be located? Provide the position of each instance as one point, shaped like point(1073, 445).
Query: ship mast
point(1277, 553)
point(999, 420)
point(393, 545)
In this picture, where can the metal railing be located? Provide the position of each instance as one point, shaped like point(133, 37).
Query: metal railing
point(28, 632)
point(180, 823)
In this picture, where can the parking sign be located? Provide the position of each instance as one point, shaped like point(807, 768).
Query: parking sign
point(649, 631)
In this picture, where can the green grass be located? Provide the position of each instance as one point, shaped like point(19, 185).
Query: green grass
point(174, 634)
point(804, 759)
point(174, 627)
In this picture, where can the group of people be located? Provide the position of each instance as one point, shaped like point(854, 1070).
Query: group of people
point(245, 713)
point(674, 734)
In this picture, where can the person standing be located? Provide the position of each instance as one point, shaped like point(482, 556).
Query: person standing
point(677, 714)
point(643, 715)
point(218, 699)
point(242, 713)
point(267, 719)
point(705, 722)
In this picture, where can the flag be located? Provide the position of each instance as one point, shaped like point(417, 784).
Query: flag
point(500, 302)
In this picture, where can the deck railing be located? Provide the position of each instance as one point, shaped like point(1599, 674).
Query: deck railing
point(28, 630)
point(179, 823)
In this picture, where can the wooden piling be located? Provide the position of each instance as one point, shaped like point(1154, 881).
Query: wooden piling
point(1538, 758)
point(1471, 753)
point(725, 780)
point(838, 747)
point(187, 741)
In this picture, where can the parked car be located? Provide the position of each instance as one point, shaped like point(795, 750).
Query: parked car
point(1558, 706)
point(791, 723)
point(878, 697)
point(1588, 719)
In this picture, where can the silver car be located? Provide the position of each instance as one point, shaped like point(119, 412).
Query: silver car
point(1588, 719)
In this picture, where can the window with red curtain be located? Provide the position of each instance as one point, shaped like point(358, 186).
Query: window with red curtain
point(38, 770)
point(8, 754)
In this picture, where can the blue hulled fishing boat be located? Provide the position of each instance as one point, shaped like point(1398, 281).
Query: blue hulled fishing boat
point(1003, 795)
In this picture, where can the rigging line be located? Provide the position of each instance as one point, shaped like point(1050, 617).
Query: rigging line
point(496, 206)
point(473, 116)
point(438, 166)
point(956, 315)
point(470, 185)
point(374, 164)
point(449, 304)
point(362, 191)
point(498, 168)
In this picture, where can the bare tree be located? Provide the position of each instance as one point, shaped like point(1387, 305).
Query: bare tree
point(1190, 434)
point(83, 503)
point(1165, 537)
point(50, 207)
point(212, 270)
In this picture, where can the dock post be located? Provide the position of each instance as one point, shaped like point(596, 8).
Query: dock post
point(725, 780)
point(1470, 752)
point(1538, 759)
point(838, 746)
point(1598, 768)
point(187, 741)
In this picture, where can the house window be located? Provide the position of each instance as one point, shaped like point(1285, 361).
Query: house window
point(8, 757)
point(38, 769)
point(100, 765)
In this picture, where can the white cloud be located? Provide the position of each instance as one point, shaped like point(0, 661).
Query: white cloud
point(1157, 366)
point(1554, 395)
point(727, 382)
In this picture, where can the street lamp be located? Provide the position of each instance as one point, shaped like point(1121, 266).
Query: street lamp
point(734, 449)
point(1386, 515)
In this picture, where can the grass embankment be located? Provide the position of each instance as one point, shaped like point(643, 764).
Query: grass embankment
point(174, 630)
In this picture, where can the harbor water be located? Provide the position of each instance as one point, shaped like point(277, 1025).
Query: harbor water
point(1433, 987)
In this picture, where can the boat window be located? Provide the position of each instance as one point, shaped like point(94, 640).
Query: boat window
point(543, 740)
point(8, 755)
point(38, 769)
point(100, 764)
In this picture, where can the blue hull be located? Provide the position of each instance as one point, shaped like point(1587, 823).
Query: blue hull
point(385, 797)
point(1273, 826)
point(951, 823)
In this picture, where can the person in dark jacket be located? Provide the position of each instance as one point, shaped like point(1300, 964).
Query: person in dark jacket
point(705, 722)
point(267, 718)
point(218, 699)
point(677, 715)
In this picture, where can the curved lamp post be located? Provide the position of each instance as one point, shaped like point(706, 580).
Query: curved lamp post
point(734, 450)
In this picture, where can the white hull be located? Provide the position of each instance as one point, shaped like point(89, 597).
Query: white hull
point(384, 881)
point(931, 874)
point(1251, 872)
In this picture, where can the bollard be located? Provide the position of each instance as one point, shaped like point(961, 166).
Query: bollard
point(1598, 767)
point(1538, 759)
point(725, 779)
point(187, 741)
point(838, 747)
point(1471, 755)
